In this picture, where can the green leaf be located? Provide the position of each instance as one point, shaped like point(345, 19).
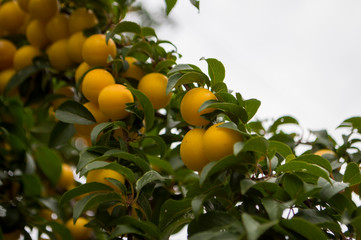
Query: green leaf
point(148, 177)
point(214, 221)
point(356, 223)
point(20, 77)
point(139, 162)
point(275, 208)
point(226, 107)
point(165, 64)
point(83, 189)
point(195, 3)
point(124, 26)
point(215, 235)
point(160, 163)
point(211, 168)
point(216, 70)
point(61, 134)
point(126, 172)
point(227, 97)
point(160, 143)
point(89, 155)
point(170, 4)
point(144, 228)
point(315, 159)
point(246, 184)
point(293, 185)
point(60, 230)
point(178, 79)
point(32, 185)
point(304, 228)
point(279, 147)
point(197, 202)
point(282, 120)
point(181, 68)
point(354, 122)
point(173, 211)
point(328, 190)
point(147, 107)
point(49, 161)
point(97, 130)
point(253, 228)
point(251, 106)
point(303, 167)
point(255, 144)
point(74, 112)
point(148, 31)
point(92, 201)
point(352, 174)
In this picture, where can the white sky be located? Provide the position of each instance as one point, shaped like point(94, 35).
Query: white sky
point(300, 58)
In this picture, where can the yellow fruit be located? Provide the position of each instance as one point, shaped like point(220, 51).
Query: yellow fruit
point(57, 27)
point(85, 130)
point(24, 56)
point(100, 175)
point(80, 19)
point(134, 71)
point(66, 179)
point(5, 77)
point(154, 85)
point(35, 33)
point(192, 150)
point(219, 141)
point(68, 92)
point(24, 26)
point(94, 81)
point(78, 230)
point(322, 152)
point(75, 46)
point(112, 101)
point(81, 69)
point(7, 53)
point(190, 104)
point(23, 4)
point(95, 50)
point(58, 55)
point(43, 9)
point(11, 16)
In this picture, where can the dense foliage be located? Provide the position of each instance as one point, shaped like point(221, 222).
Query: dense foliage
point(117, 112)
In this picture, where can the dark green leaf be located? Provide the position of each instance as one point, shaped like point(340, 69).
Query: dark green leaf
point(255, 144)
point(282, 120)
point(253, 228)
point(251, 106)
point(246, 184)
point(279, 147)
point(328, 190)
point(173, 211)
point(146, 106)
point(160, 163)
point(315, 159)
point(148, 31)
point(227, 108)
point(162, 65)
point(144, 228)
point(148, 177)
point(275, 208)
point(170, 4)
point(83, 189)
point(356, 223)
point(293, 185)
point(20, 76)
point(142, 164)
point(92, 201)
point(89, 155)
point(195, 3)
point(304, 167)
point(160, 143)
point(181, 68)
point(60, 230)
point(74, 112)
point(124, 26)
point(352, 174)
point(304, 228)
point(49, 162)
point(61, 134)
point(354, 122)
point(32, 185)
point(178, 79)
point(216, 70)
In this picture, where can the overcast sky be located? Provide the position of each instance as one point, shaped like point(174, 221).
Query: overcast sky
point(300, 58)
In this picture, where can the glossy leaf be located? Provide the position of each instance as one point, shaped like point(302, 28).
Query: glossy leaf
point(251, 106)
point(147, 107)
point(170, 4)
point(49, 162)
point(216, 70)
point(352, 174)
point(253, 228)
point(61, 134)
point(178, 79)
point(304, 228)
point(147, 178)
point(74, 112)
point(282, 120)
point(32, 185)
